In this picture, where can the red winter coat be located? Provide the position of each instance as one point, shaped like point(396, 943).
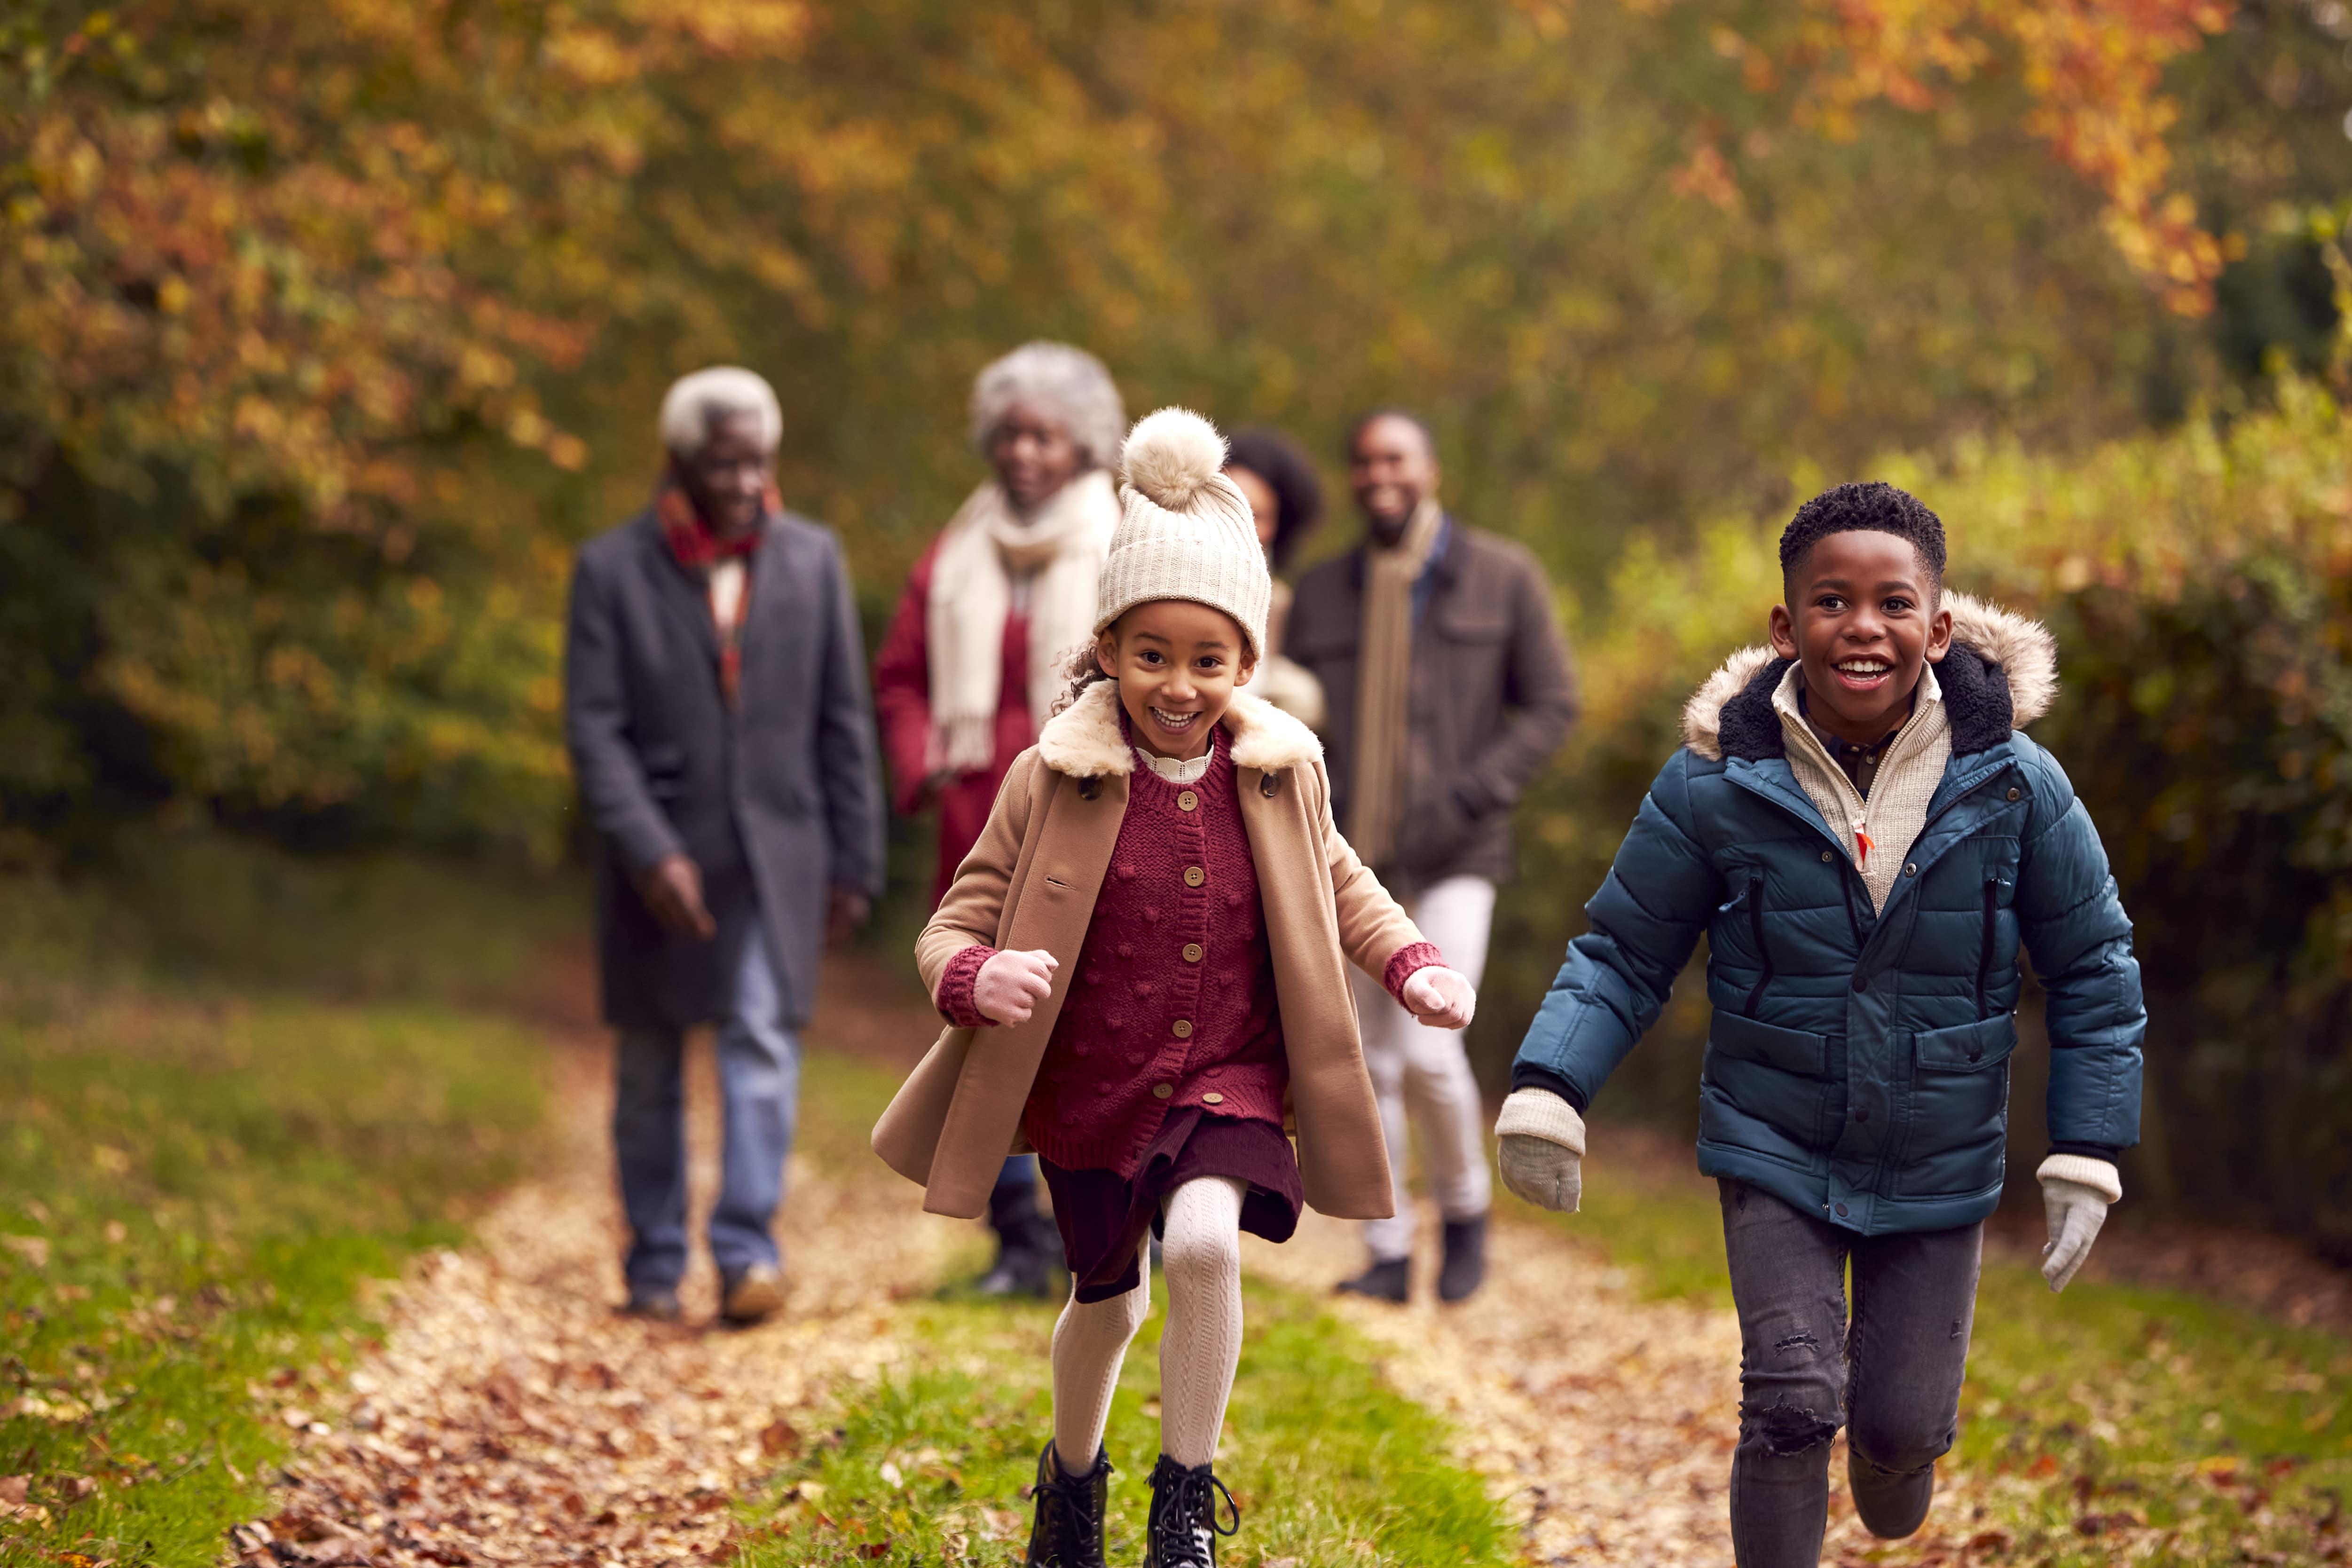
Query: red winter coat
point(902, 696)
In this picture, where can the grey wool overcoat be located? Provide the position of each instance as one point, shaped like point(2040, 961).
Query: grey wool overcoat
point(777, 800)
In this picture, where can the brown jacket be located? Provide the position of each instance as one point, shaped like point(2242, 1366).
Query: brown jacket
point(1492, 698)
point(1032, 882)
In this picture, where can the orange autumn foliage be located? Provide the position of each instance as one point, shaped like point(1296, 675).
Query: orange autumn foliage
point(2092, 72)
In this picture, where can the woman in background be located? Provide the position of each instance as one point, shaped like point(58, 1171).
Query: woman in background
point(1287, 500)
point(974, 658)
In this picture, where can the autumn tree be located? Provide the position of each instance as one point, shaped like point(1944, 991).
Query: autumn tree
point(326, 330)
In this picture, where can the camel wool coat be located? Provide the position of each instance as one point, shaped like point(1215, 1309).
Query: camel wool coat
point(1032, 882)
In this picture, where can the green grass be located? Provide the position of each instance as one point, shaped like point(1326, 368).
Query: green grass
point(212, 1139)
point(1330, 1465)
point(1327, 1464)
point(2199, 1430)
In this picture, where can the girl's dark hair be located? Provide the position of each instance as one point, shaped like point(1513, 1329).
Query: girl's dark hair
point(1083, 672)
point(1298, 493)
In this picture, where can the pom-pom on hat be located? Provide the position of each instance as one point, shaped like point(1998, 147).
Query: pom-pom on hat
point(1187, 531)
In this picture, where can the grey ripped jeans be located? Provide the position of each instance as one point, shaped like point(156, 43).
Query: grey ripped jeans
point(1891, 1375)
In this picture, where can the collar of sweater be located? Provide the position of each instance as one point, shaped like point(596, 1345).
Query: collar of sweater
point(1181, 770)
point(1878, 832)
point(1085, 740)
point(1788, 702)
point(2001, 675)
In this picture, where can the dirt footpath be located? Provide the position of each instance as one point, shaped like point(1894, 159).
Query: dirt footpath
point(512, 1417)
point(1604, 1422)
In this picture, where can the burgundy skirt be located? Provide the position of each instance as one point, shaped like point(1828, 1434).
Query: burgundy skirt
point(1103, 1216)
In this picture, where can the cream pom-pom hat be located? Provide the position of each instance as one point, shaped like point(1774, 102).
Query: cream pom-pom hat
point(1187, 531)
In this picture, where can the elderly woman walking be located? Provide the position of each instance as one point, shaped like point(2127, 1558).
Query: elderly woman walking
point(975, 656)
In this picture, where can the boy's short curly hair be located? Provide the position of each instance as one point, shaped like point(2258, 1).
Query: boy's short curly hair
point(1872, 504)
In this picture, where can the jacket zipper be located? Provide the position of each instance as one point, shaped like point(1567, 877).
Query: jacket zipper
point(1984, 953)
point(1857, 803)
point(1763, 953)
point(1959, 797)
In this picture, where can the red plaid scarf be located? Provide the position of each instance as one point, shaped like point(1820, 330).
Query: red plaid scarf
point(699, 549)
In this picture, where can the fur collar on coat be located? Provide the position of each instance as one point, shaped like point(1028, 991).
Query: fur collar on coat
point(2001, 674)
point(1085, 740)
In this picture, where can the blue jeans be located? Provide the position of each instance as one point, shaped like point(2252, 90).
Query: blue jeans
point(759, 1083)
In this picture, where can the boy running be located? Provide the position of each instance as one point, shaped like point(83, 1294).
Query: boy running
point(1866, 840)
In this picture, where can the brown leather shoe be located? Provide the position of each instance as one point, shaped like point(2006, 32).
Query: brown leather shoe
point(753, 1296)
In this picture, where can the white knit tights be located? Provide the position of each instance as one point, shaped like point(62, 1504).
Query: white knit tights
point(1089, 1342)
point(1199, 1349)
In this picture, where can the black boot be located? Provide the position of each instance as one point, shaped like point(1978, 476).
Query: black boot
point(1385, 1281)
point(1465, 1269)
point(1028, 1248)
point(1072, 1512)
point(1184, 1528)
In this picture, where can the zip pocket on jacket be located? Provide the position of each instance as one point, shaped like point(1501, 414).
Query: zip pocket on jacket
point(1756, 929)
point(1984, 953)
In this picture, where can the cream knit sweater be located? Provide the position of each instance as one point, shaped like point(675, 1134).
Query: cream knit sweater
point(1908, 772)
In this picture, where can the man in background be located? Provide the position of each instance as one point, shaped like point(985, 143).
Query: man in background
point(715, 703)
point(1446, 687)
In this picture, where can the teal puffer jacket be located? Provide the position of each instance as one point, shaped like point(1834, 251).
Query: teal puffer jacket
point(1858, 1064)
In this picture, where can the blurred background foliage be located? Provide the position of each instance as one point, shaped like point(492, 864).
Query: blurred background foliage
point(328, 330)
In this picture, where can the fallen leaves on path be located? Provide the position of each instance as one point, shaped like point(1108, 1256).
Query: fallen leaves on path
point(1604, 1422)
point(511, 1417)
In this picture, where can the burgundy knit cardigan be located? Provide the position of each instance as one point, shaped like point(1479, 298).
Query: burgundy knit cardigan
point(1174, 1001)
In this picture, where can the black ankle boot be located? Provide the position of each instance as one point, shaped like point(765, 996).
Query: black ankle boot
point(1184, 1528)
point(1465, 1269)
point(1386, 1280)
point(1072, 1513)
point(1028, 1248)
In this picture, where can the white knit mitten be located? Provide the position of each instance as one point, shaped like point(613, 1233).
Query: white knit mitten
point(2075, 1193)
point(1539, 1143)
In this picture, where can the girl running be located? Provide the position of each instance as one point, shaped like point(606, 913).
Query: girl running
point(1143, 967)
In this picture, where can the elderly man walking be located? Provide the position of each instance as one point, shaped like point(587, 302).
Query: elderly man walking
point(1446, 686)
point(716, 707)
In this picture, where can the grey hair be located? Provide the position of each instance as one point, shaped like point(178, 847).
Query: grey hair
point(1068, 382)
point(693, 402)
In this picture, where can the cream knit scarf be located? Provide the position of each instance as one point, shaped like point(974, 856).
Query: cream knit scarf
point(1908, 772)
point(1384, 683)
point(1058, 554)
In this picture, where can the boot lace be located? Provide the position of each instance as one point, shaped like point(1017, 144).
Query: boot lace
point(1189, 1525)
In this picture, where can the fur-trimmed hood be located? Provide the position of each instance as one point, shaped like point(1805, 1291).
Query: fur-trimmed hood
point(2001, 674)
point(1087, 740)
